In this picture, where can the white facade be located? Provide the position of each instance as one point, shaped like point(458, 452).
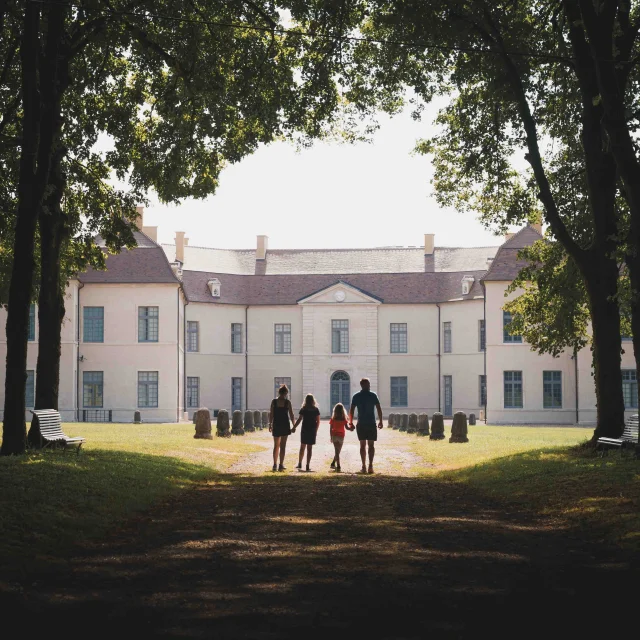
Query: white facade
point(226, 336)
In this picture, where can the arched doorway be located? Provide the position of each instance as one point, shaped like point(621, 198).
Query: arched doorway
point(341, 389)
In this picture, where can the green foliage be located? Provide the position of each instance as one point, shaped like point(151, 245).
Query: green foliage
point(552, 313)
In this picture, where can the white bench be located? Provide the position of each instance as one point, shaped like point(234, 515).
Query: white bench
point(50, 430)
point(628, 438)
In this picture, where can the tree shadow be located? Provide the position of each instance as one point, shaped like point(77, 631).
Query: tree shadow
point(301, 556)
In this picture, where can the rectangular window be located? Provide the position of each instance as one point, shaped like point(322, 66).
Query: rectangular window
point(398, 337)
point(399, 394)
point(552, 389)
point(282, 338)
point(482, 336)
point(147, 389)
point(236, 337)
point(30, 389)
point(93, 324)
point(92, 388)
point(447, 336)
point(513, 389)
point(193, 392)
point(236, 394)
point(630, 388)
point(339, 336)
point(276, 385)
point(148, 324)
point(506, 321)
point(32, 322)
point(483, 390)
point(193, 336)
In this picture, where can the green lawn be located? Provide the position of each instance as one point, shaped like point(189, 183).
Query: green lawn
point(543, 469)
point(50, 498)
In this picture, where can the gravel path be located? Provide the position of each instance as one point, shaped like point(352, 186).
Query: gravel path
point(392, 456)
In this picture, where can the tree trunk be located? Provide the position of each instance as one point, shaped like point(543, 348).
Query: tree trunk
point(602, 285)
point(51, 299)
point(40, 132)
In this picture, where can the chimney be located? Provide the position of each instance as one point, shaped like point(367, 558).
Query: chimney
point(261, 249)
point(429, 239)
point(139, 217)
point(537, 226)
point(186, 241)
point(151, 232)
point(508, 236)
point(180, 246)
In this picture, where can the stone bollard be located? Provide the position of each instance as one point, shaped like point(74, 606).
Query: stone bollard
point(222, 425)
point(257, 419)
point(412, 426)
point(137, 419)
point(203, 424)
point(248, 422)
point(195, 416)
point(390, 418)
point(404, 422)
point(459, 427)
point(472, 419)
point(236, 423)
point(265, 419)
point(437, 427)
point(423, 424)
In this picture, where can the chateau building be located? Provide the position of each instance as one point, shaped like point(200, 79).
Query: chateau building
point(167, 329)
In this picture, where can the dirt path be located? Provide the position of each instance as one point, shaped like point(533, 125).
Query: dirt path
point(392, 456)
point(311, 556)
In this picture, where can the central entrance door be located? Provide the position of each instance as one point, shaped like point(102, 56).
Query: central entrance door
point(341, 389)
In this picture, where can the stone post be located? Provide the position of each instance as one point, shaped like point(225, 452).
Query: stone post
point(265, 419)
point(412, 427)
point(404, 422)
point(222, 426)
point(257, 419)
point(472, 419)
point(203, 424)
point(236, 423)
point(423, 424)
point(437, 427)
point(391, 421)
point(248, 422)
point(459, 427)
point(137, 419)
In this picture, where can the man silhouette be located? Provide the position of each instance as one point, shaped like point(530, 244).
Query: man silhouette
point(365, 401)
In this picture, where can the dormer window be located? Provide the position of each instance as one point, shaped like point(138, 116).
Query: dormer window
point(467, 283)
point(214, 287)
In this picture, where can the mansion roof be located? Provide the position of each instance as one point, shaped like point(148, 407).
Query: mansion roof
point(506, 265)
point(334, 261)
point(389, 288)
point(146, 263)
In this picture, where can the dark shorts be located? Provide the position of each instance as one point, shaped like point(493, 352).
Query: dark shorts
point(367, 432)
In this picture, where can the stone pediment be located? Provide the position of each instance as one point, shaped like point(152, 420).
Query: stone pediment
point(340, 293)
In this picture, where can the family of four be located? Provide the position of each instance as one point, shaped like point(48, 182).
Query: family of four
point(281, 417)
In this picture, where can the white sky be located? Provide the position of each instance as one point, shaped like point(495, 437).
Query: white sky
point(331, 195)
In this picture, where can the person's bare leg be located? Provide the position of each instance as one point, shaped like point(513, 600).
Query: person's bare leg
point(301, 455)
point(283, 448)
point(309, 450)
point(276, 448)
point(363, 454)
point(372, 452)
point(338, 447)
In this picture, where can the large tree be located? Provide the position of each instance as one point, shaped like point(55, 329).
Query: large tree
point(179, 89)
point(515, 91)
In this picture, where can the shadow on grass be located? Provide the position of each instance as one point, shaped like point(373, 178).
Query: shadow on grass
point(312, 557)
point(51, 500)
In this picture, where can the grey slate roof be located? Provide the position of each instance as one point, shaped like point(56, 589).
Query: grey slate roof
point(506, 265)
point(283, 289)
point(147, 263)
point(333, 261)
